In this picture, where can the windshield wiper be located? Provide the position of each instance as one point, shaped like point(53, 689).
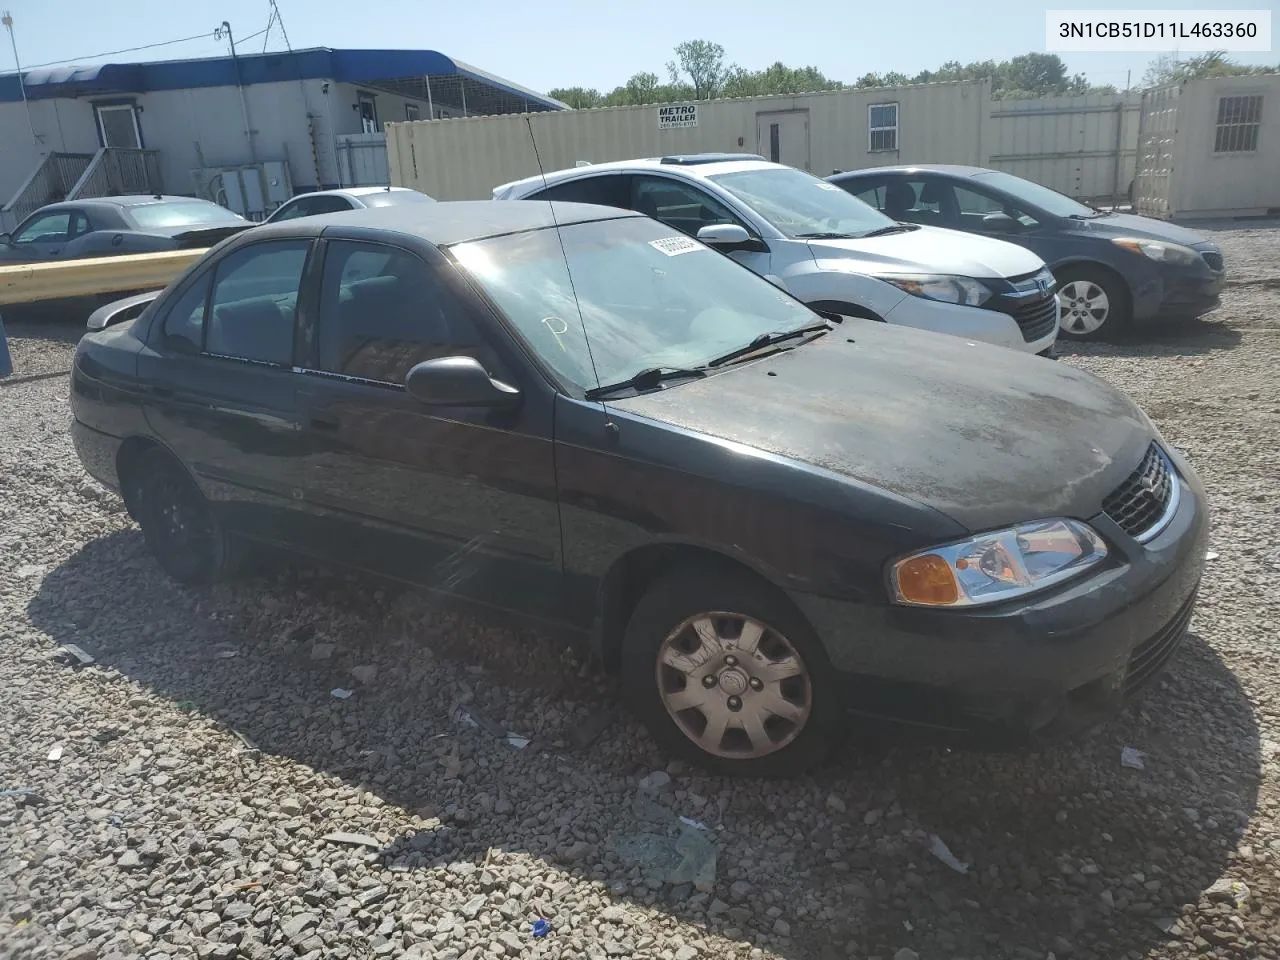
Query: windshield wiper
point(829, 235)
point(646, 379)
point(885, 231)
point(768, 340)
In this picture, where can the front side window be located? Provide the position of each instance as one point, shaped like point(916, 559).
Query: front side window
point(646, 297)
point(800, 205)
point(254, 302)
point(973, 205)
point(882, 127)
point(678, 204)
point(383, 310)
point(45, 228)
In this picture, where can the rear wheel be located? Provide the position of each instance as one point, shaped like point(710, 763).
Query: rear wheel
point(729, 677)
point(179, 524)
point(1095, 305)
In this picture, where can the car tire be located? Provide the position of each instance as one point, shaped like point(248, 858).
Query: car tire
point(1095, 304)
point(668, 683)
point(179, 524)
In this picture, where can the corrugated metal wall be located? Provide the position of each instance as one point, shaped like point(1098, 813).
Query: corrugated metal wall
point(465, 159)
point(1084, 147)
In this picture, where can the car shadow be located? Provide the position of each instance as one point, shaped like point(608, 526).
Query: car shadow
point(1065, 850)
point(1173, 338)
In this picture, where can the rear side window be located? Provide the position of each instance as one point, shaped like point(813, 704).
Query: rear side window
point(872, 194)
point(255, 301)
point(613, 190)
point(383, 310)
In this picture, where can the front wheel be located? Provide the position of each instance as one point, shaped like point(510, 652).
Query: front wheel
point(1094, 305)
point(729, 677)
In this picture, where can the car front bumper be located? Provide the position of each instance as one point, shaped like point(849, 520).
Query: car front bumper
point(972, 323)
point(1054, 664)
point(1173, 292)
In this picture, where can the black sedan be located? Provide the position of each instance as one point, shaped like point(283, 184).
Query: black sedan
point(763, 519)
point(1113, 269)
point(111, 226)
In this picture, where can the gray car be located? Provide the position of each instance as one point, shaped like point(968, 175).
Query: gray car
point(111, 226)
point(348, 198)
point(1114, 270)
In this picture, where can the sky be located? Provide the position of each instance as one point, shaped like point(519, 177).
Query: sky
point(591, 43)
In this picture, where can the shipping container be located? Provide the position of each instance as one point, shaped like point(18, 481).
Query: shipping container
point(464, 159)
point(1210, 148)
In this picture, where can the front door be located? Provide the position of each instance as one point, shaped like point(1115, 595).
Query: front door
point(220, 367)
point(43, 235)
point(459, 500)
point(782, 136)
point(688, 208)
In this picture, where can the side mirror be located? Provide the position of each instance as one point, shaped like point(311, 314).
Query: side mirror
point(1000, 223)
point(728, 237)
point(4, 239)
point(458, 382)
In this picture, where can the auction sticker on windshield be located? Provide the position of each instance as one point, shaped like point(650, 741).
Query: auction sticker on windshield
point(674, 246)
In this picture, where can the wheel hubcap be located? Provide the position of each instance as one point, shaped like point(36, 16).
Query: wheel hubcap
point(733, 685)
point(1085, 306)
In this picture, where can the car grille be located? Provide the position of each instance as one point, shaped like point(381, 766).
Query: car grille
point(1037, 319)
point(1138, 505)
point(1151, 655)
point(1214, 260)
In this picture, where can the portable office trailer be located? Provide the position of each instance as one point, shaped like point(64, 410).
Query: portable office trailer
point(464, 159)
point(1210, 148)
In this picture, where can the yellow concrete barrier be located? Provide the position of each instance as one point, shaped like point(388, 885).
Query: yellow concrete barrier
point(58, 279)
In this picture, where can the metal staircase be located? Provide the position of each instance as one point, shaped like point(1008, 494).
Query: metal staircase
point(111, 172)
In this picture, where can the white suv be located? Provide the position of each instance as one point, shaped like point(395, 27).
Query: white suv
point(825, 247)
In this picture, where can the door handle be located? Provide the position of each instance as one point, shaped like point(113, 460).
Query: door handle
point(323, 422)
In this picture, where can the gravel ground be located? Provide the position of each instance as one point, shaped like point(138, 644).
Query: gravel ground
point(207, 776)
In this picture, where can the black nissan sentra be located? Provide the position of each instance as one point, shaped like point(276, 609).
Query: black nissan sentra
point(768, 522)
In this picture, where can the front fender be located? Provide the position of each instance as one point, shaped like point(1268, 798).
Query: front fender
point(832, 281)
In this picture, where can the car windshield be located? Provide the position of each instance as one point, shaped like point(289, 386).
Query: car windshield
point(393, 198)
point(1033, 194)
point(802, 206)
point(181, 213)
point(648, 297)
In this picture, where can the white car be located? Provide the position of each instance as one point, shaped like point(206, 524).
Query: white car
point(825, 247)
point(348, 198)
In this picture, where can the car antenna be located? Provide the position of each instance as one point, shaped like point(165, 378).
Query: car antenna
point(537, 155)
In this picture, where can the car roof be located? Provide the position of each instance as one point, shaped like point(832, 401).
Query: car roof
point(138, 200)
point(356, 191)
point(446, 223)
point(679, 166)
point(954, 169)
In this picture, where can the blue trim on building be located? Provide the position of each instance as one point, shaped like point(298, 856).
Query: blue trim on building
point(319, 63)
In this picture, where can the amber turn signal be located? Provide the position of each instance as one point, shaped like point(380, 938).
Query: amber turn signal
point(926, 579)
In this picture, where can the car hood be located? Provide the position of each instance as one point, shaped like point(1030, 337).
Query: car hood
point(929, 250)
point(984, 435)
point(1129, 225)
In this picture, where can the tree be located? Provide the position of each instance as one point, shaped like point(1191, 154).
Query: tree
point(1167, 68)
point(577, 97)
point(775, 79)
point(703, 61)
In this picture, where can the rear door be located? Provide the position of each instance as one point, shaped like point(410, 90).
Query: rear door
point(461, 500)
point(219, 366)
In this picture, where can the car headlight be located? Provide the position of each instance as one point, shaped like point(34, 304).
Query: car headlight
point(962, 290)
point(997, 566)
point(1160, 250)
